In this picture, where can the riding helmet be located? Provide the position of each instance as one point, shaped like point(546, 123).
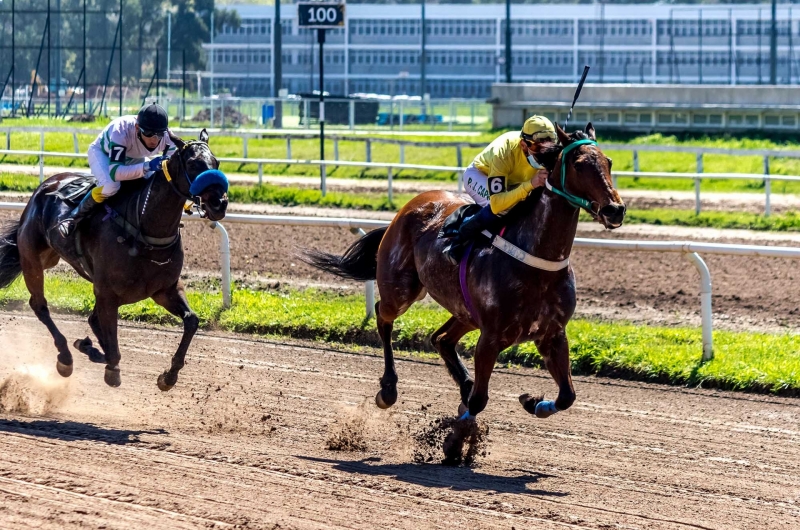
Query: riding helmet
point(153, 118)
point(538, 128)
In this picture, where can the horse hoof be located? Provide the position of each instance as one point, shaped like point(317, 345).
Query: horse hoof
point(162, 383)
point(64, 370)
point(112, 377)
point(529, 402)
point(384, 401)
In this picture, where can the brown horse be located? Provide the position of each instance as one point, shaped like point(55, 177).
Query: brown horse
point(136, 256)
point(513, 303)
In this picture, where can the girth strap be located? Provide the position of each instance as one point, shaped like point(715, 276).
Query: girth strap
point(517, 253)
point(81, 257)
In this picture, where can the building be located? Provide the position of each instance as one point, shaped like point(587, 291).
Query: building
point(379, 50)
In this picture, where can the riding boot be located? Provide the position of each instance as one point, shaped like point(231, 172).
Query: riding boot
point(68, 224)
point(468, 231)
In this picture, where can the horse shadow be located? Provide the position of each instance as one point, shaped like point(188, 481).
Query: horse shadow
point(439, 476)
point(73, 430)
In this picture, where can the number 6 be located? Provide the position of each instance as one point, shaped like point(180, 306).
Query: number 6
point(496, 185)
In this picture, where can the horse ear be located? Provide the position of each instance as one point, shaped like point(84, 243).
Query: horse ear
point(562, 136)
point(180, 144)
point(590, 131)
point(203, 136)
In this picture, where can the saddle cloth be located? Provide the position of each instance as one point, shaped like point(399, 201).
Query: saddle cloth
point(72, 189)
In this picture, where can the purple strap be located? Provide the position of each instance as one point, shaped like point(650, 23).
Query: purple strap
point(109, 213)
point(462, 278)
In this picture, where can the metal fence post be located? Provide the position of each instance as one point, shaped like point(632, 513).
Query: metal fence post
point(369, 287)
point(636, 160)
point(389, 176)
point(323, 186)
point(705, 304)
point(225, 259)
point(402, 153)
point(452, 115)
point(368, 146)
point(458, 156)
point(307, 108)
point(75, 142)
point(288, 148)
point(336, 148)
point(402, 112)
point(767, 187)
point(8, 140)
point(244, 146)
point(41, 157)
point(352, 115)
point(260, 174)
point(697, 184)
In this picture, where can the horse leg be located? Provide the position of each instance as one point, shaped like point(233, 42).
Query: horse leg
point(86, 347)
point(107, 310)
point(33, 273)
point(486, 352)
point(444, 340)
point(387, 395)
point(554, 349)
point(174, 300)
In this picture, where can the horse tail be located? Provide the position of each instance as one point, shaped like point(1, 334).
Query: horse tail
point(10, 267)
point(359, 262)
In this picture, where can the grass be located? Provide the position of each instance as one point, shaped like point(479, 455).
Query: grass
point(446, 156)
point(290, 196)
point(759, 362)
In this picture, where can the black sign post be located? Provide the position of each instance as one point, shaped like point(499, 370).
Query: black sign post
point(322, 16)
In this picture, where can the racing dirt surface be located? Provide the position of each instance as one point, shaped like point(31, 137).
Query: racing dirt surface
point(242, 442)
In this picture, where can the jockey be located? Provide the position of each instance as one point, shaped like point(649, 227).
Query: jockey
point(119, 153)
point(501, 176)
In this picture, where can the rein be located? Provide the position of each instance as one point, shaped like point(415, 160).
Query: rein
point(574, 200)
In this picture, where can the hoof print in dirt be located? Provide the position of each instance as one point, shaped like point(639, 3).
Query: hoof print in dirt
point(460, 441)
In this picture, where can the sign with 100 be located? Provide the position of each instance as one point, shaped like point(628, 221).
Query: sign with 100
point(320, 15)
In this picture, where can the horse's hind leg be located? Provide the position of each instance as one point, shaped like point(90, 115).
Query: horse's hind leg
point(444, 340)
point(174, 301)
point(86, 347)
point(33, 273)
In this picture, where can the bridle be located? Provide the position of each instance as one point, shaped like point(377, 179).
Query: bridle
point(196, 200)
point(574, 200)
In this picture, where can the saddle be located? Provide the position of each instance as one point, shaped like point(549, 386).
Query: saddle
point(73, 189)
point(456, 219)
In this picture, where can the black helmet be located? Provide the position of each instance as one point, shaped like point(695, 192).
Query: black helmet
point(152, 118)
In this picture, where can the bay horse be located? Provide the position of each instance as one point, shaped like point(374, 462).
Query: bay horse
point(134, 256)
point(513, 302)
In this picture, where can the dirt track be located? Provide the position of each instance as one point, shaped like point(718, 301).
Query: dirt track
point(241, 442)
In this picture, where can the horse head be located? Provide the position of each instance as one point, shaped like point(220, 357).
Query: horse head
point(581, 174)
point(196, 176)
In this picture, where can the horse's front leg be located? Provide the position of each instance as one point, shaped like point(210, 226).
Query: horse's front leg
point(106, 310)
point(174, 300)
point(554, 349)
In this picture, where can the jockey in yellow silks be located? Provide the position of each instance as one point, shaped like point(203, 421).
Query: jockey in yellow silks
point(501, 176)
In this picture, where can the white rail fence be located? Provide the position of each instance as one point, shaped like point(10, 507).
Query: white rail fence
point(391, 169)
point(688, 249)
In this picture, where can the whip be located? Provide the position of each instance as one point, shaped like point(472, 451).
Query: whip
point(577, 94)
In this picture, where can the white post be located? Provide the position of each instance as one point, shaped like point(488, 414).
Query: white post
point(336, 148)
point(244, 145)
point(260, 173)
point(369, 287)
point(458, 156)
point(8, 140)
point(75, 142)
point(225, 259)
point(402, 153)
point(705, 304)
point(636, 161)
point(389, 175)
point(697, 184)
point(402, 112)
point(767, 188)
point(41, 157)
point(288, 147)
point(323, 177)
point(368, 146)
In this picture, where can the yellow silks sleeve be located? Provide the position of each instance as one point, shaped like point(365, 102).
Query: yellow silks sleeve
point(500, 202)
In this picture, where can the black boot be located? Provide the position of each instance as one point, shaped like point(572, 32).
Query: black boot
point(68, 224)
point(468, 231)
